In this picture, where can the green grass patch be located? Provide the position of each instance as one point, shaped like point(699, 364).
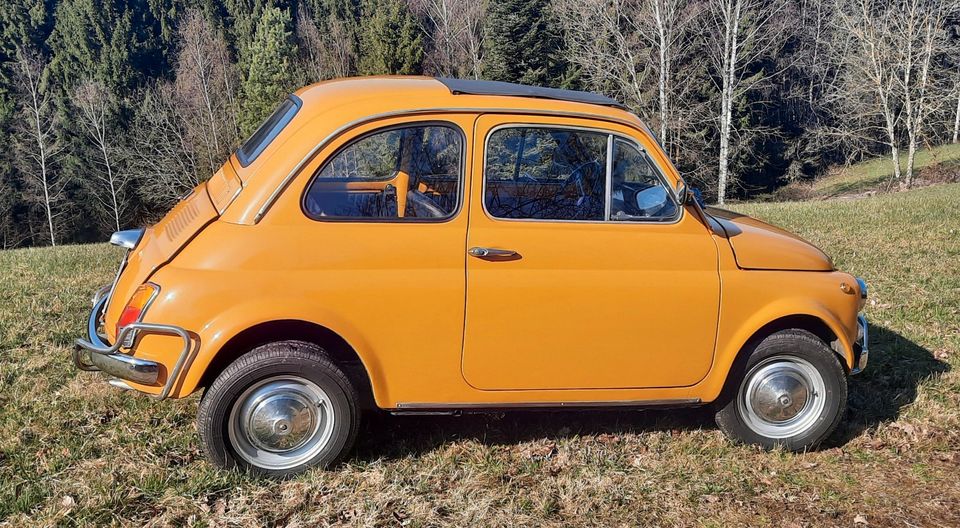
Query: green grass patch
point(74, 451)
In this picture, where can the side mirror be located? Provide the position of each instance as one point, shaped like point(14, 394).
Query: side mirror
point(681, 192)
point(652, 200)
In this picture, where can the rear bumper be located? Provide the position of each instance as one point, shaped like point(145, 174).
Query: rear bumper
point(95, 354)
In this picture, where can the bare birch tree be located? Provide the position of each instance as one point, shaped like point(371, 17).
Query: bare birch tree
point(740, 32)
point(161, 153)
point(327, 53)
point(35, 137)
point(456, 32)
point(96, 108)
point(919, 25)
point(204, 89)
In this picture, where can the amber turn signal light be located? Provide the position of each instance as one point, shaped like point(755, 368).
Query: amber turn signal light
point(138, 304)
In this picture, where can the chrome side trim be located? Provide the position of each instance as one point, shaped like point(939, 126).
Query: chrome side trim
point(607, 185)
point(423, 111)
point(679, 402)
point(127, 239)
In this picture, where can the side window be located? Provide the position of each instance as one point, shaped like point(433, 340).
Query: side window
point(408, 173)
point(545, 173)
point(637, 192)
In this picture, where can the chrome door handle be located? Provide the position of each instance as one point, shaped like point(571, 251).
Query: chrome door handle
point(482, 252)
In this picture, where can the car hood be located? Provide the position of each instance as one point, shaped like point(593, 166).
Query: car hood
point(759, 245)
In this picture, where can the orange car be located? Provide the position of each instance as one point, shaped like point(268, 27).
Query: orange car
point(438, 245)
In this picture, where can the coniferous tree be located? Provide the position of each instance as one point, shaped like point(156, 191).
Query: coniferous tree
point(270, 63)
point(390, 38)
point(524, 44)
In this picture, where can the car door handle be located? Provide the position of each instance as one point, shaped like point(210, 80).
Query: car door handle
point(491, 253)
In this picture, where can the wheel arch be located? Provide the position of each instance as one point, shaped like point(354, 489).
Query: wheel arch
point(818, 326)
point(343, 354)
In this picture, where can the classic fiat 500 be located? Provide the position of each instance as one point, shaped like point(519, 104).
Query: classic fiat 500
point(424, 245)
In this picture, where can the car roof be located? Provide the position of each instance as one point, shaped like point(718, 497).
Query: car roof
point(366, 96)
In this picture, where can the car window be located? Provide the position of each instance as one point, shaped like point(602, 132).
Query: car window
point(545, 173)
point(269, 130)
point(637, 191)
point(406, 173)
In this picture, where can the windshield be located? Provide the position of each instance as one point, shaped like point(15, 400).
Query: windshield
point(269, 130)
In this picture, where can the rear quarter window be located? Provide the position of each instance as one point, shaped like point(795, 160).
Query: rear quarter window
point(269, 130)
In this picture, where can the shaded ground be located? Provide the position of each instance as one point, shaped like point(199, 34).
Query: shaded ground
point(74, 451)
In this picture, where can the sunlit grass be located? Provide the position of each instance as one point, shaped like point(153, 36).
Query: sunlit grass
point(75, 451)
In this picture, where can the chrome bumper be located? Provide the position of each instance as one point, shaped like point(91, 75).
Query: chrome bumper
point(94, 354)
point(861, 348)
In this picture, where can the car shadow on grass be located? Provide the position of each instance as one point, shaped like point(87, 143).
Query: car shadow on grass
point(897, 367)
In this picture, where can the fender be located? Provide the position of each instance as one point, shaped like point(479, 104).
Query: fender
point(735, 339)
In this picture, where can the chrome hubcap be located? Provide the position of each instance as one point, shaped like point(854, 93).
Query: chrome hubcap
point(782, 397)
point(281, 422)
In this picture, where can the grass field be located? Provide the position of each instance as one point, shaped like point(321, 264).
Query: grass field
point(74, 451)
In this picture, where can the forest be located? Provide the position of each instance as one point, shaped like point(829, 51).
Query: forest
point(111, 110)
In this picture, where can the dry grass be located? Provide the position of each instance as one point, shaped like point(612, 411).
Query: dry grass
point(74, 451)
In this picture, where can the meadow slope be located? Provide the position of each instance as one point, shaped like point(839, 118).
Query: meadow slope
point(75, 451)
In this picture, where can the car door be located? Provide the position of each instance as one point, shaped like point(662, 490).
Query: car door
point(582, 271)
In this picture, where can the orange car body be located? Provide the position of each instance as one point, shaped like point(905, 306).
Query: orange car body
point(589, 313)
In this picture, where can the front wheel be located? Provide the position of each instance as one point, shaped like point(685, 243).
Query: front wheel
point(793, 394)
point(278, 410)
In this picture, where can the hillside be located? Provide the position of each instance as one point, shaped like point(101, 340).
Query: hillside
point(75, 451)
point(939, 164)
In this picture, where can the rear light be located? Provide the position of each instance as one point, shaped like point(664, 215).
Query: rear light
point(137, 305)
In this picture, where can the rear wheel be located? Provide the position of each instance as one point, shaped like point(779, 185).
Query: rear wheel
point(278, 410)
point(793, 393)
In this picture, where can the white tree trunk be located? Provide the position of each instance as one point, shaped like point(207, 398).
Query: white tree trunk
point(956, 120)
point(727, 92)
point(42, 158)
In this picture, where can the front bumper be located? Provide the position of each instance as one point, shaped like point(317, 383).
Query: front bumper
point(95, 354)
point(861, 348)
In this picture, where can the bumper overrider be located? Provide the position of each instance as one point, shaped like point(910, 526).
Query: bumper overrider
point(117, 360)
point(93, 353)
point(861, 348)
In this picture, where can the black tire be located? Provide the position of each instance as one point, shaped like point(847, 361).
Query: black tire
point(784, 359)
point(225, 437)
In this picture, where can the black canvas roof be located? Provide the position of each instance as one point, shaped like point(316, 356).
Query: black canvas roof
point(477, 87)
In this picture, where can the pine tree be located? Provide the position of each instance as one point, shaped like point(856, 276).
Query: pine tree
point(269, 74)
point(524, 44)
point(391, 39)
point(96, 39)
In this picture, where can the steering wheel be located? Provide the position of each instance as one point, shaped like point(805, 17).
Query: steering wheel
point(577, 177)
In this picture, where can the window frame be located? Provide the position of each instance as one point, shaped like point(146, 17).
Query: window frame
point(461, 182)
point(608, 177)
point(247, 158)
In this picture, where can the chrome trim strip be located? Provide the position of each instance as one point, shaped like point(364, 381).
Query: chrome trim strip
point(423, 111)
point(127, 239)
point(608, 180)
point(551, 404)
